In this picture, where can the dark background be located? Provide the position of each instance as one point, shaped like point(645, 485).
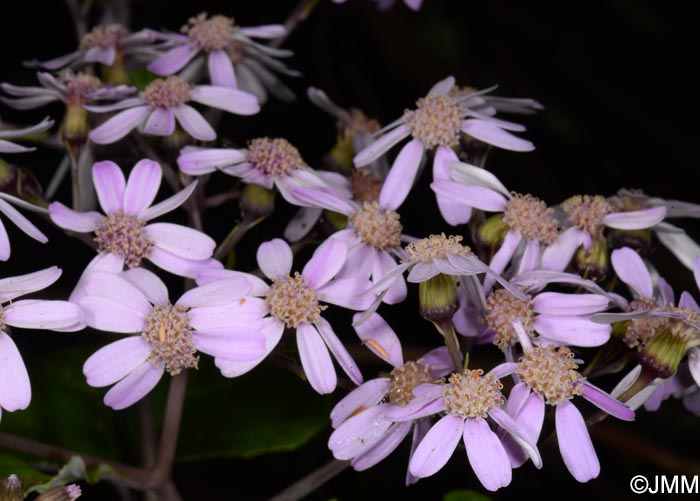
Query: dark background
point(616, 79)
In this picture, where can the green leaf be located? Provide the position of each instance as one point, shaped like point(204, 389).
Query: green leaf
point(464, 495)
point(267, 410)
point(74, 470)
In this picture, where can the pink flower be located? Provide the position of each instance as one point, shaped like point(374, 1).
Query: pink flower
point(550, 375)
point(104, 44)
point(234, 59)
point(77, 90)
point(168, 336)
point(266, 162)
point(362, 432)
point(15, 390)
point(9, 147)
point(294, 301)
point(124, 231)
point(163, 102)
point(437, 123)
point(468, 400)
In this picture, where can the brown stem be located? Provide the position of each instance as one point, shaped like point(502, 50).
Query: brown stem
point(171, 427)
point(235, 236)
point(312, 481)
point(75, 175)
point(220, 199)
point(295, 18)
point(169, 173)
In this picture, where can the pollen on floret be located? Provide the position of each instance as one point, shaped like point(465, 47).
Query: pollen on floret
point(687, 327)
point(166, 93)
point(426, 250)
point(377, 226)
point(586, 212)
point(365, 185)
point(293, 302)
point(169, 333)
point(123, 235)
point(502, 308)
point(78, 86)
point(552, 373)
point(404, 379)
point(436, 121)
point(641, 330)
point(209, 34)
point(457, 92)
point(530, 217)
point(103, 36)
point(274, 157)
point(359, 122)
point(471, 394)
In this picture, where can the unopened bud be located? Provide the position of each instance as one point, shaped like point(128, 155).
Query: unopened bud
point(257, 202)
point(12, 489)
point(64, 493)
point(75, 127)
point(662, 354)
point(593, 263)
point(340, 157)
point(472, 151)
point(489, 237)
point(438, 299)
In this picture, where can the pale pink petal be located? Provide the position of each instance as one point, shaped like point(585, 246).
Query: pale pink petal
point(115, 361)
point(41, 314)
point(361, 256)
point(530, 259)
point(202, 161)
point(606, 402)
point(245, 313)
point(13, 287)
point(225, 98)
point(265, 31)
point(148, 283)
point(402, 175)
point(160, 122)
point(442, 87)
point(453, 213)
point(630, 268)
point(221, 69)
point(81, 222)
point(315, 359)
point(142, 186)
point(420, 430)
point(380, 338)
point(428, 403)
point(486, 454)
point(575, 443)
point(104, 55)
point(338, 350)
point(422, 272)
point(173, 60)
point(109, 185)
point(383, 265)
point(194, 123)
point(215, 293)
point(169, 204)
point(181, 240)
point(472, 175)
point(133, 387)
point(437, 447)
point(119, 125)
point(516, 433)
point(258, 286)
point(572, 330)
point(233, 344)
point(325, 198)
point(325, 263)
point(275, 258)
point(112, 316)
point(558, 303)
point(530, 418)
point(349, 293)
point(635, 220)
point(502, 257)
point(178, 265)
point(22, 222)
point(492, 134)
point(301, 223)
point(381, 146)
point(359, 433)
point(391, 439)
point(15, 390)
point(272, 331)
point(557, 256)
point(474, 196)
point(119, 105)
point(117, 288)
point(366, 395)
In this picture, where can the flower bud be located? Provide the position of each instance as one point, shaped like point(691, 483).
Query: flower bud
point(63, 493)
point(662, 354)
point(638, 240)
point(75, 127)
point(12, 489)
point(438, 298)
point(340, 157)
point(257, 202)
point(489, 237)
point(593, 263)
